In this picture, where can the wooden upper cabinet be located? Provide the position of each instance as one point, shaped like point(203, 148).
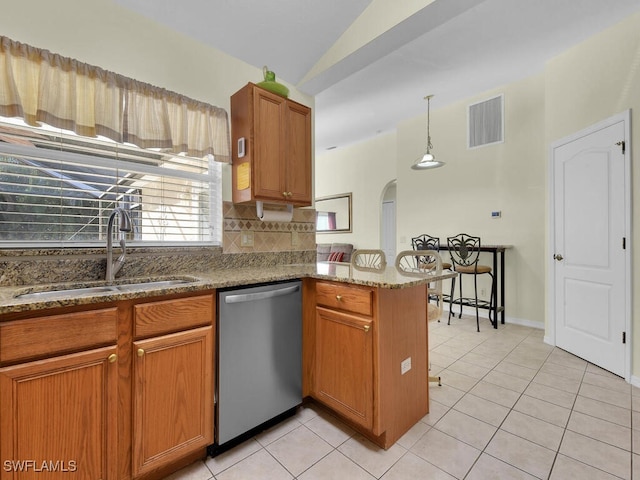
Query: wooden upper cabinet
point(276, 163)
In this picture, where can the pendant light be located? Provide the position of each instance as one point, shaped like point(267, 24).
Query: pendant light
point(428, 160)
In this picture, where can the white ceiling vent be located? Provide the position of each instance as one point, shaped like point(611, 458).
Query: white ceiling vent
point(486, 122)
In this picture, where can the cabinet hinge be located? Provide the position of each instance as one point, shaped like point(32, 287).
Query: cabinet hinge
point(624, 337)
point(624, 243)
point(622, 144)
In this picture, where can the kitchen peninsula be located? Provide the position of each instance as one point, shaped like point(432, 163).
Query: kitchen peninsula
point(364, 357)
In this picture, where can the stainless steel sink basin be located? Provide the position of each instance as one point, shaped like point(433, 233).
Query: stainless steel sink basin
point(133, 285)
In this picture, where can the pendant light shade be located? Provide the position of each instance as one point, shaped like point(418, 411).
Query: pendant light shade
point(428, 160)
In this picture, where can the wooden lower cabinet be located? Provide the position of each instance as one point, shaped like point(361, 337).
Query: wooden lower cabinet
point(172, 397)
point(365, 355)
point(344, 368)
point(58, 417)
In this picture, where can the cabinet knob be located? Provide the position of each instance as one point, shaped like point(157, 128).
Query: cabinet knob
point(366, 328)
point(338, 297)
point(112, 358)
point(140, 352)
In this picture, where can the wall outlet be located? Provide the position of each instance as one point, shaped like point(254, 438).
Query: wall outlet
point(246, 238)
point(405, 365)
point(295, 239)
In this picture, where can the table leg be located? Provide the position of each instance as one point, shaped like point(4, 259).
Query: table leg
point(494, 290)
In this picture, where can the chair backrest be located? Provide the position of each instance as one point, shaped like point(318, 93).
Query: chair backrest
point(464, 249)
point(425, 242)
point(368, 259)
point(427, 262)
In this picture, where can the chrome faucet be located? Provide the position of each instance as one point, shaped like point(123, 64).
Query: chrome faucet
point(125, 226)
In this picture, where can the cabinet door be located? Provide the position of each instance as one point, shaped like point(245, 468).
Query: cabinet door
point(58, 417)
point(172, 397)
point(344, 364)
point(269, 146)
point(298, 155)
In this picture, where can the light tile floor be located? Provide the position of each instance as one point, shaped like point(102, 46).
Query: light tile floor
point(510, 407)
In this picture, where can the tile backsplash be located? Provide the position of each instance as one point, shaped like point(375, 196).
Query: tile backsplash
point(245, 233)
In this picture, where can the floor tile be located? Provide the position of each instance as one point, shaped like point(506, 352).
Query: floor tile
point(611, 382)
point(551, 395)
point(521, 453)
point(334, 466)
point(457, 380)
point(469, 369)
point(537, 431)
point(485, 410)
point(258, 466)
point(543, 410)
point(605, 411)
point(507, 381)
point(558, 382)
point(562, 371)
point(488, 467)
point(445, 394)
point(229, 458)
point(372, 458)
point(414, 434)
point(330, 429)
point(495, 393)
point(299, 449)
point(565, 468)
point(195, 471)
point(516, 370)
point(465, 428)
point(277, 431)
point(481, 360)
point(447, 453)
point(606, 395)
point(607, 432)
point(597, 454)
point(412, 467)
point(436, 411)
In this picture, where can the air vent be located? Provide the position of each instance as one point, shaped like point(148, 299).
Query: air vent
point(486, 122)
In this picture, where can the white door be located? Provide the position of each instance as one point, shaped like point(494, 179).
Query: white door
point(590, 208)
point(388, 243)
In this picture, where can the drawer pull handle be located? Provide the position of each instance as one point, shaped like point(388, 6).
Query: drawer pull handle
point(140, 352)
point(112, 358)
point(366, 328)
point(338, 297)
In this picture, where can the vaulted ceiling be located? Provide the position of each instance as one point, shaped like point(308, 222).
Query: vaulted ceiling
point(370, 63)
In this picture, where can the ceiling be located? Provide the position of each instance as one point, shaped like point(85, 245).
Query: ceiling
point(370, 63)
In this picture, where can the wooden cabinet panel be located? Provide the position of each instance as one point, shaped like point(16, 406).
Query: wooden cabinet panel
point(173, 397)
point(60, 413)
point(344, 364)
point(345, 297)
point(39, 337)
point(156, 318)
point(276, 165)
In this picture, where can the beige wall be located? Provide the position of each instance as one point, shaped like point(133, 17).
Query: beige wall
point(586, 84)
point(103, 33)
point(364, 169)
point(593, 81)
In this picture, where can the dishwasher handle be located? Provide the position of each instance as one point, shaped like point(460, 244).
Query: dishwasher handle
point(250, 297)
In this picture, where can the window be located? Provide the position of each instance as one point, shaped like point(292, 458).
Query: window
point(58, 188)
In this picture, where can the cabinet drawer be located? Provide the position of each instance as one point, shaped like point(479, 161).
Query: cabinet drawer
point(45, 336)
point(344, 297)
point(156, 318)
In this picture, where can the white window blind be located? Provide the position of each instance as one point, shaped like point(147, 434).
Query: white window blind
point(58, 188)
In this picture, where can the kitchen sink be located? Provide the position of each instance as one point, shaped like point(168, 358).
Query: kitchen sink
point(127, 286)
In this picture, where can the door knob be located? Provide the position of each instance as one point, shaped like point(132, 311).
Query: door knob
point(557, 256)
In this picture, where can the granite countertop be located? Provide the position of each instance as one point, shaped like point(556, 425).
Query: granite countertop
point(389, 277)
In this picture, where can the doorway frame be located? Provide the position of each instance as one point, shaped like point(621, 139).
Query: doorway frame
point(550, 328)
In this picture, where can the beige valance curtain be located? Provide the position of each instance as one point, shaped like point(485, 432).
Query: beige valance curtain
point(40, 86)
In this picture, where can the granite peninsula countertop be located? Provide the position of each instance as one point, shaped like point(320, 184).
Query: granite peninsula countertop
point(389, 277)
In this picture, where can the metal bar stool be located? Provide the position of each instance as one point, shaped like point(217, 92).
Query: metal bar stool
point(465, 254)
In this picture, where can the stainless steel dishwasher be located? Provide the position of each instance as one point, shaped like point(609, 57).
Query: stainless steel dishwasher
point(259, 358)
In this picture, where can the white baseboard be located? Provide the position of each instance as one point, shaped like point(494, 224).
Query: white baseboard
point(483, 313)
point(635, 381)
